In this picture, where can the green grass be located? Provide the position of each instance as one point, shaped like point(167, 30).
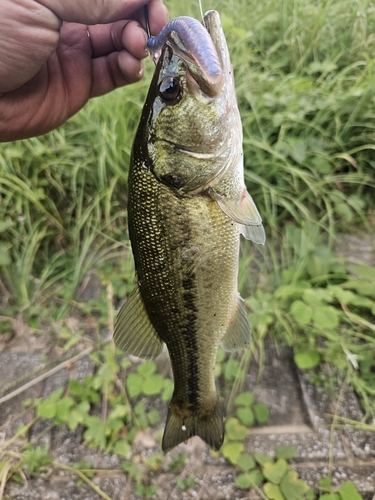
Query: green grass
point(305, 78)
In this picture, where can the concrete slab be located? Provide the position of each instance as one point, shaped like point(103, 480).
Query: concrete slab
point(298, 416)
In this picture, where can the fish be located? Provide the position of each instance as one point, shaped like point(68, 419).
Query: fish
point(187, 207)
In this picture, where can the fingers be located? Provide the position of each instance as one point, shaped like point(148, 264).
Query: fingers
point(117, 51)
point(128, 35)
point(113, 71)
point(93, 12)
point(157, 16)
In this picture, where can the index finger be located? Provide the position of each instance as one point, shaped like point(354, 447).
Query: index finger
point(94, 12)
point(157, 16)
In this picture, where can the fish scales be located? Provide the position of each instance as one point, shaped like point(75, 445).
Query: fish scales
point(187, 207)
point(186, 288)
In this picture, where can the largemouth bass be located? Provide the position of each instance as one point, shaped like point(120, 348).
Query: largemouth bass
point(187, 207)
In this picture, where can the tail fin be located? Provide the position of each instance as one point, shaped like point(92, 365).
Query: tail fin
point(182, 425)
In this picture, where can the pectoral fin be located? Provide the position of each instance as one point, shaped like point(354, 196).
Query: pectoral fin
point(245, 213)
point(134, 332)
point(238, 335)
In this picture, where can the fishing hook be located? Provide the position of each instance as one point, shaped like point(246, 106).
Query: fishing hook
point(147, 22)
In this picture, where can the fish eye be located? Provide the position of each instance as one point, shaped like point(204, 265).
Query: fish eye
point(170, 88)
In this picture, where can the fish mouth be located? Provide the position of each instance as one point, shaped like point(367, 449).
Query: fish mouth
point(201, 46)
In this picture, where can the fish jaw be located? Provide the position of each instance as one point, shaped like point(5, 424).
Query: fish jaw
point(194, 46)
point(194, 139)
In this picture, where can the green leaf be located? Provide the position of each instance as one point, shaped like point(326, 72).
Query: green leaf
point(319, 262)
point(325, 484)
point(56, 395)
point(120, 411)
point(183, 484)
point(231, 368)
point(329, 496)
point(244, 399)
point(35, 459)
point(262, 459)
point(273, 492)
point(310, 495)
point(146, 368)
point(275, 472)
point(292, 487)
point(246, 462)
point(286, 452)
point(4, 225)
point(220, 355)
point(362, 287)
point(235, 430)
point(134, 383)
point(167, 390)
point(125, 363)
point(307, 359)
point(77, 389)
point(261, 413)
point(74, 419)
point(143, 421)
point(153, 417)
point(122, 448)
point(83, 407)
point(232, 451)
point(64, 407)
point(114, 424)
point(326, 317)
point(4, 256)
point(366, 272)
point(316, 297)
point(152, 385)
point(322, 165)
point(155, 461)
point(343, 296)
point(297, 150)
point(245, 481)
point(245, 415)
point(149, 491)
point(256, 476)
point(363, 302)
point(301, 312)
point(48, 407)
point(139, 408)
point(47, 410)
point(348, 491)
point(95, 433)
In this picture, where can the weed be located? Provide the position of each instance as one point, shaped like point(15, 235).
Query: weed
point(304, 75)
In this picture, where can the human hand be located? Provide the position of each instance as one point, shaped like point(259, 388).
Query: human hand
point(54, 56)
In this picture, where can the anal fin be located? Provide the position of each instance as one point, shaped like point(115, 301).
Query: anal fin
point(238, 335)
point(134, 333)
